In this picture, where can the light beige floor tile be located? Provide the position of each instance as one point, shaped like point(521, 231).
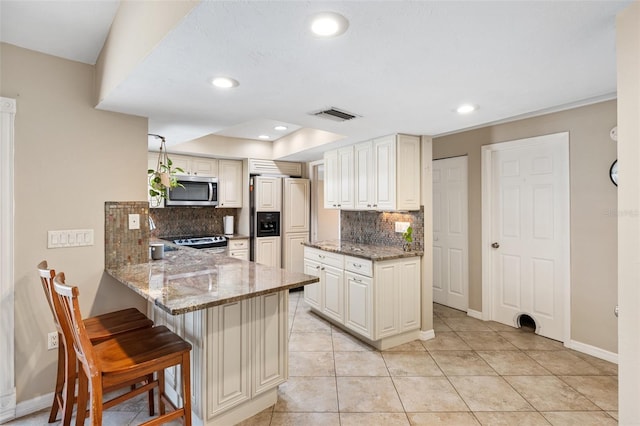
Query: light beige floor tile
point(563, 363)
point(311, 364)
point(305, 419)
point(386, 419)
point(531, 341)
point(486, 341)
point(308, 394)
point(367, 363)
point(496, 326)
point(439, 325)
point(465, 324)
point(549, 393)
point(601, 390)
point(411, 364)
point(135, 404)
point(263, 418)
point(310, 342)
point(445, 311)
point(428, 394)
point(605, 367)
point(484, 393)
point(442, 419)
point(308, 322)
point(367, 395)
point(462, 363)
point(509, 419)
point(446, 341)
point(513, 363)
point(344, 342)
point(38, 418)
point(577, 418)
point(119, 418)
point(413, 346)
point(613, 414)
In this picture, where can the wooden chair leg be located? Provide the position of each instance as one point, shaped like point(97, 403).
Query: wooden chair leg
point(83, 393)
point(69, 392)
point(186, 387)
point(96, 401)
point(161, 391)
point(58, 393)
point(151, 401)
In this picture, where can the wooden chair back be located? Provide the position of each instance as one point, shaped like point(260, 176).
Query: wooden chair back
point(46, 279)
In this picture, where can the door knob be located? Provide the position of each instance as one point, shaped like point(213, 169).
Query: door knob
point(495, 245)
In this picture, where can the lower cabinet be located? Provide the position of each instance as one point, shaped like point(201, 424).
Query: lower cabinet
point(268, 251)
point(239, 356)
point(238, 248)
point(379, 301)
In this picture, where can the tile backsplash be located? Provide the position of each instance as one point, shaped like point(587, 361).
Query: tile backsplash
point(124, 246)
point(378, 228)
point(190, 221)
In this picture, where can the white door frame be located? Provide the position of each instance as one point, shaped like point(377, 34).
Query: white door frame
point(7, 283)
point(487, 214)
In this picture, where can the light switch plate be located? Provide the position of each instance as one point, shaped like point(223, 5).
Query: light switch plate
point(402, 226)
point(134, 221)
point(70, 238)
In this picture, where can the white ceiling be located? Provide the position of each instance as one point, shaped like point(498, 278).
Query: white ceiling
point(402, 66)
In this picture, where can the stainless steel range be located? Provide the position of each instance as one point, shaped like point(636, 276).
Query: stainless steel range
point(213, 244)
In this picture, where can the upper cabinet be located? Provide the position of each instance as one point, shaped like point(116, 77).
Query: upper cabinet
point(384, 175)
point(339, 179)
point(268, 192)
point(230, 184)
point(194, 166)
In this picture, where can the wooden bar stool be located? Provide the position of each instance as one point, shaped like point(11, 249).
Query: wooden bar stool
point(118, 361)
point(98, 328)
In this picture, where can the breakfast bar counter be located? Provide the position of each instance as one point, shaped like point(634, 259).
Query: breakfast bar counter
point(235, 315)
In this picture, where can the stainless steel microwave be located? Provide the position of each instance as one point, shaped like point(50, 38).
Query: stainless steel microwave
point(194, 191)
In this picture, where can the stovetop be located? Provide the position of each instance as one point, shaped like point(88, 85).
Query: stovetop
point(200, 242)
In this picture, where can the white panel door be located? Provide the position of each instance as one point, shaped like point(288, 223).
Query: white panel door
point(297, 205)
point(450, 233)
point(384, 154)
point(529, 234)
point(313, 292)
point(268, 251)
point(293, 251)
point(359, 303)
point(268, 193)
point(333, 282)
point(230, 183)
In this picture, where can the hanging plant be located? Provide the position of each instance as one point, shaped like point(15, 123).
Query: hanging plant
point(408, 238)
point(163, 177)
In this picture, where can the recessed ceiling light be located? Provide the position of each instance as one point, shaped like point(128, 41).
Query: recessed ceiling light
point(280, 128)
point(224, 82)
point(263, 137)
point(329, 24)
point(465, 109)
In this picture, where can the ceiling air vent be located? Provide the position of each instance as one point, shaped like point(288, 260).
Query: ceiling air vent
point(335, 114)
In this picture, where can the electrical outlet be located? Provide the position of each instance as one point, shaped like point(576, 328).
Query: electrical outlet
point(402, 226)
point(52, 340)
point(134, 221)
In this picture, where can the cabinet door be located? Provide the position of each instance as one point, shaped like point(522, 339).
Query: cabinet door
point(230, 184)
point(331, 180)
point(312, 292)
point(297, 204)
point(268, 251)
point(271, 344)
point(207, 167)
point(333, 287)
point(385, 180)
point(228, 375)
point(268, 194)
point(181, 162)
point(408, 173)
point(239, 254)
point(409, 298)
point(293, 251)
point(359, 304)
point(346, 178)
point(364, 173)
point(386, 297)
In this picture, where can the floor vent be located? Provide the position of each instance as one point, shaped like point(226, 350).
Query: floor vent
point(335, 114)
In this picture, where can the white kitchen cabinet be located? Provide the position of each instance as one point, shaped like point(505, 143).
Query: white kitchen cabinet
point(408, 172)
point(268, 192)
point(364, 174)
point(238, 248)
point(230, 184)
point(193, 166)
point(268, 251)
point(384, 165)
point(293, 251)
point(339, 179)
point(378, 301)
point(297, 202)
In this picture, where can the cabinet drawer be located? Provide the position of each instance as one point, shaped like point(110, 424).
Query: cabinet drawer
point(325, 257)
point(358, 265)
point(238, 244)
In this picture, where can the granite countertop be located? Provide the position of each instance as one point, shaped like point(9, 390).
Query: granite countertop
point(364, 251)
point(236, 237)
point(188, 280)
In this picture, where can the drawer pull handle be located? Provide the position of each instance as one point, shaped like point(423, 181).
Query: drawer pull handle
point(322, 269)
point(321, 256)
point(358, 280)
point(357, 265)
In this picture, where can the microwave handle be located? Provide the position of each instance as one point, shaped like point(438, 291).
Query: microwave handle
point(210, 191)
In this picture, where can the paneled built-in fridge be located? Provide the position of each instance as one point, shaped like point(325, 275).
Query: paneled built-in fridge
point(280, 215)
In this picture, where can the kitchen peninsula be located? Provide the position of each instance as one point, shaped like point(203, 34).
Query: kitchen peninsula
point(234, 313)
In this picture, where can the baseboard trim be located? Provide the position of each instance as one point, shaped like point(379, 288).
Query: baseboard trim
point(427, 334)
point(592, 350)
point(34, 404)
point(474, 314)
point(8, 406)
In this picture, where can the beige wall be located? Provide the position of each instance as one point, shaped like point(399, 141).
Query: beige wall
point(225, 147)
point(593, 205)
point(69, 160)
